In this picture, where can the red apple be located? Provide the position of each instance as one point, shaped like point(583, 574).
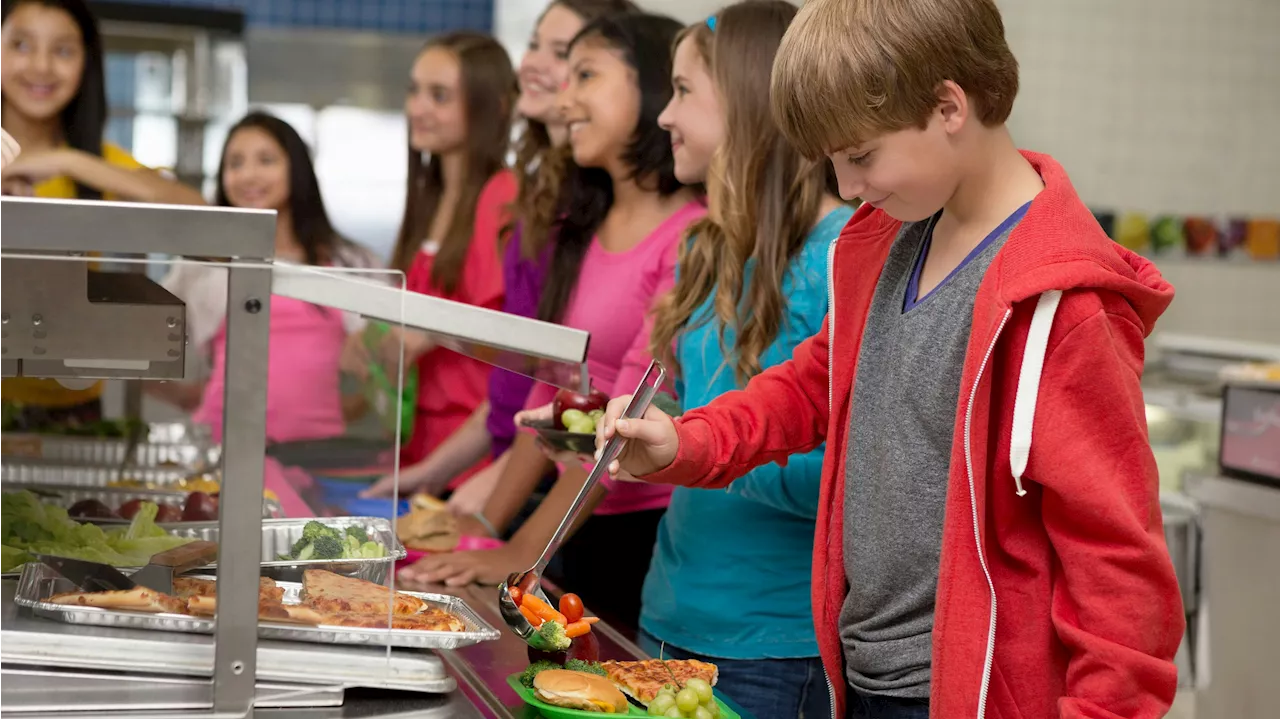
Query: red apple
point(168, 513)
point(585, 648)
point(585, 403)
point(200, 507)
point(130, 508)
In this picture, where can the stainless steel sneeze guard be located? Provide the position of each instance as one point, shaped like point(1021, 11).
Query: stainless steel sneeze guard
point(245, 240)
point(248, 236)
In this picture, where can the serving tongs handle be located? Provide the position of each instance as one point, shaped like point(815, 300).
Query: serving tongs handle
point(649, 386)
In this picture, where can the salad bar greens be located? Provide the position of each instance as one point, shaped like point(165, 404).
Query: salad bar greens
point(29, 525)
point(12, 420)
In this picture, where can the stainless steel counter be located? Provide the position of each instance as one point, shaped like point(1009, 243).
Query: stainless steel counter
point(480, 671)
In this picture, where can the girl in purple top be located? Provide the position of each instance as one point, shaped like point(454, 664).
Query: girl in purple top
point(615, 254)
point(541, 160)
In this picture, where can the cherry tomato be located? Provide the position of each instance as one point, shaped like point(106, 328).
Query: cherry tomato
point(571, 607)
point(515, 594)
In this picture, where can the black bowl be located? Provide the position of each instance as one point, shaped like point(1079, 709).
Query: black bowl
point(564, 441)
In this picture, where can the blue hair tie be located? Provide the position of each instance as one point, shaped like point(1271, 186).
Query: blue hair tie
point(711, 23)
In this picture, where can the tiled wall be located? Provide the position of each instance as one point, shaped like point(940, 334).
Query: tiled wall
point(408, 16)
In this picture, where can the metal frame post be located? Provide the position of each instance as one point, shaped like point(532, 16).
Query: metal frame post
point(240, 507)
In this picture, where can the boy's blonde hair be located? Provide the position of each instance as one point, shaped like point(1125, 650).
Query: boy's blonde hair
point(851, 70)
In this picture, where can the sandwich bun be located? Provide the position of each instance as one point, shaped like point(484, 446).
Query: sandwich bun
point(579, 690)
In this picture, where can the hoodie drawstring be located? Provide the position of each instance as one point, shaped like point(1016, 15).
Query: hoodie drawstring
point(1024, 403)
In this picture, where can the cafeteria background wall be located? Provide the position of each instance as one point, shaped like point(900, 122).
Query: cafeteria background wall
point(1164, 106)
point(397, 16)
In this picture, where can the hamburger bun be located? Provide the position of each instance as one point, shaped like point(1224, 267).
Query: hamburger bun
point(579, 690)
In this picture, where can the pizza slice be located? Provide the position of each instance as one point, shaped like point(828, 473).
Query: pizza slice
point(642, 680)
point(188, 587)
point(331, 593)
point(138, 599)
point(429, 620)
point(268, 611)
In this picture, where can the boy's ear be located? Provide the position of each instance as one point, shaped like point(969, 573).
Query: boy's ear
point(953, 106)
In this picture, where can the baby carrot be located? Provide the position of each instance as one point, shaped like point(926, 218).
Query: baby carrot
point(534, 620)
point(577, 629)
point(542, 609)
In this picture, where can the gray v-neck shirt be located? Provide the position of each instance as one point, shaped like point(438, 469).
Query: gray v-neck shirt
point(899, 456)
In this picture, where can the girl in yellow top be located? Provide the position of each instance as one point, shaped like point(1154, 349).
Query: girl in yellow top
point(55, 107)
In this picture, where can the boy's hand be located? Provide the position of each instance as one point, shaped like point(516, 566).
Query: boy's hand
point(652, 441)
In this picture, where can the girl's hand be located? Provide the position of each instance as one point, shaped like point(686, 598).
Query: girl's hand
point(36, 167)
point(652, 441)
point(355, 358)
point(415, 344)
point(409, 484)
point(543, 416)
point(474, 493)
point(9, 149)
point(455, 569)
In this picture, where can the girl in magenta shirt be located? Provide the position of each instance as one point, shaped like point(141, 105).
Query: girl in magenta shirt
point(265, 165)
point(615, 254)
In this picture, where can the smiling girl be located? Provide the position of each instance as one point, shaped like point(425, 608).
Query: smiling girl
point(266, 166)
point(55, 107)
point(615, 254)
point(541, 162)
point(752, 284)
point(461, 99)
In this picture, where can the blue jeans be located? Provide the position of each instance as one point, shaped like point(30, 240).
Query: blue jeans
point(867, 706)
point(765, 688)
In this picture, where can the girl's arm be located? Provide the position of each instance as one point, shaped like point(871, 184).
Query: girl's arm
point(466, 446)
point(140, 185)
point(525, 469)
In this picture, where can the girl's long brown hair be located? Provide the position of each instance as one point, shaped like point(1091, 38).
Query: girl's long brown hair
point(763, 196)
point(488, 88)
point(540, 167)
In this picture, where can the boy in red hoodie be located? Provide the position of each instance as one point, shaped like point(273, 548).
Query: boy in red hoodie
point(975, 303)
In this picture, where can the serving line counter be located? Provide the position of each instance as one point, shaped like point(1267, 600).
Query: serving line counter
point(476, 675)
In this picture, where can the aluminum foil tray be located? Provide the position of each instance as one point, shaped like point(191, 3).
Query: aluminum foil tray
point(167, 445)
point(278, 536)
point(39, 581)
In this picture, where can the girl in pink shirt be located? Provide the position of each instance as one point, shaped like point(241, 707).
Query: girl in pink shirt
point(459, 107)
point(266, 165)
point(615, 253)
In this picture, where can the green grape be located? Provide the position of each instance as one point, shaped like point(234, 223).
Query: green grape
point(663, 702)
point(571, 417)
point(654, 711)
point(673, 713)
point(702, 687)
point(712, 708)
point(702, 713)
point(687, 700)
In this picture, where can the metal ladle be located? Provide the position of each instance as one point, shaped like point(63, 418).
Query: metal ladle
point(530, 580)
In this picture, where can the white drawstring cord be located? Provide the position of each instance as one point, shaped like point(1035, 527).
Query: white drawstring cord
point(1024, 403)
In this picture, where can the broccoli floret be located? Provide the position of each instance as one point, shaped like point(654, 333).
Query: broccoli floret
point(526, 677)
point(359, 533)
point(297, 548)
point(372, 550)
point(327, 547)
point(550, 637)
point(577, 665)
point(314, 529)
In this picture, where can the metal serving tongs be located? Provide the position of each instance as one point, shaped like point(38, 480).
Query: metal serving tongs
point(530, 580)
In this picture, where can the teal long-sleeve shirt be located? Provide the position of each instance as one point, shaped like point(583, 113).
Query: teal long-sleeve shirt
point(730, 573)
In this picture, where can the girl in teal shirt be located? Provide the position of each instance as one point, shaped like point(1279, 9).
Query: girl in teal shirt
point(730, 576)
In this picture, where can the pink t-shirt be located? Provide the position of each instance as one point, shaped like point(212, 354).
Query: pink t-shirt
point(304, 399)
point(621, 290)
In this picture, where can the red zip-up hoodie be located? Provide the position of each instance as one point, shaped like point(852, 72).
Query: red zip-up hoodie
point(1056, 595)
